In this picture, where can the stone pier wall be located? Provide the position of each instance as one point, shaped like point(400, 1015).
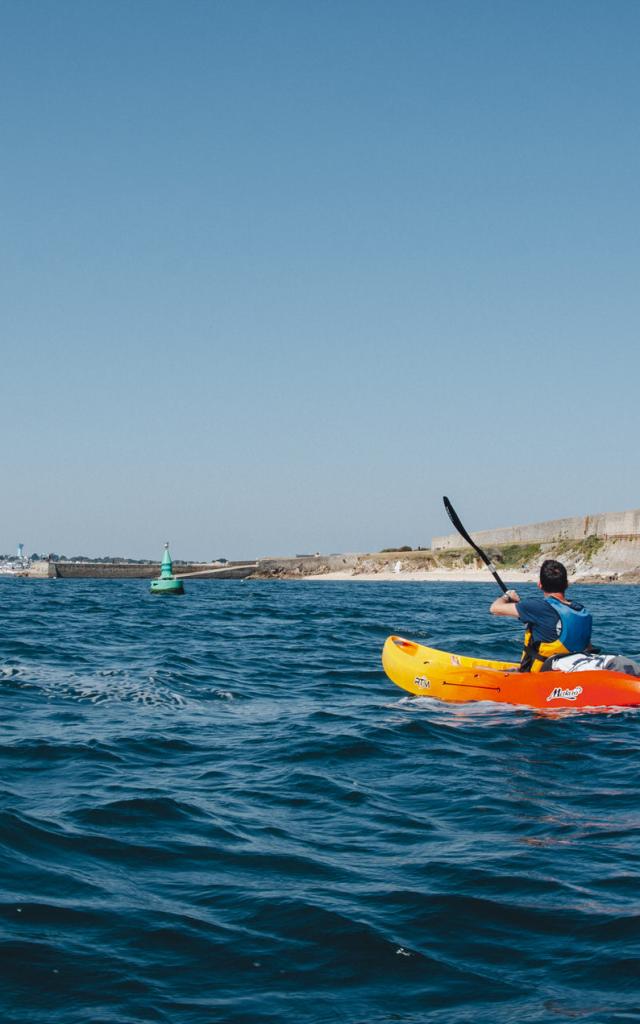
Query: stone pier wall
point(116, 570)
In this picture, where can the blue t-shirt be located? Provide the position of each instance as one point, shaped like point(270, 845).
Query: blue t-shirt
point(541, 617)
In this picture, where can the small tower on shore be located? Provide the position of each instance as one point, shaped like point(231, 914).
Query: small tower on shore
point(166, 583)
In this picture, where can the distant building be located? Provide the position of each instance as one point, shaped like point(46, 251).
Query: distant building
point(20, 551)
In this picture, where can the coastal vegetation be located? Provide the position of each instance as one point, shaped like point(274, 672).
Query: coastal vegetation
point(585, 549)
point(516, 556)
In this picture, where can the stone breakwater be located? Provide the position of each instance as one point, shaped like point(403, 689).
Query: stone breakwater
point(306, 565)
point(133, 570)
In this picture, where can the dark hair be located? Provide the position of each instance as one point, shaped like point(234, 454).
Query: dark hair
point(553, 577)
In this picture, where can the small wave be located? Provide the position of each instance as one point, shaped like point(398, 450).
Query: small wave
point(116, 685)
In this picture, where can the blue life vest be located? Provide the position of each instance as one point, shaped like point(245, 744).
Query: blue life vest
point(574, 636)
point(575, 625)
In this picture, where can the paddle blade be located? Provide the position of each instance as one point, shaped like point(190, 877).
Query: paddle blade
point(451, 512)
point(455, 519)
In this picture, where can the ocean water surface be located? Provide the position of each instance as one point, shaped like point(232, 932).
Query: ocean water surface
point(216, 808)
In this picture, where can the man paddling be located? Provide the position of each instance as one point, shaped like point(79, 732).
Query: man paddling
point(554, 626)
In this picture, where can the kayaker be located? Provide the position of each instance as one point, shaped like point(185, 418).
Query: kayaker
point(554, 625)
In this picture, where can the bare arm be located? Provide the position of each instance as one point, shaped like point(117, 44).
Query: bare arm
point(505, 605)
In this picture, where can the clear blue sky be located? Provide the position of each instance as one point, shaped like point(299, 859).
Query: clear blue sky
point(277, 275)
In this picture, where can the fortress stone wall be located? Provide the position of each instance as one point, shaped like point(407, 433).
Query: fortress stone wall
point(604, 525)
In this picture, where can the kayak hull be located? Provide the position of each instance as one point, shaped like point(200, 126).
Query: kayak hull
point(427, 672)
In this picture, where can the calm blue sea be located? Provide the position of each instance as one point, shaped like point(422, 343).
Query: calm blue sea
point(216, 808)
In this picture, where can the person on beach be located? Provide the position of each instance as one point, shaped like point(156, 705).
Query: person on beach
point(554, 626)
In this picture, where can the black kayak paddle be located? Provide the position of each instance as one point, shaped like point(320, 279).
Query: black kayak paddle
point(455, 519)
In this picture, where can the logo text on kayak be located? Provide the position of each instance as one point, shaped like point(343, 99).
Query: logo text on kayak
point(559, 694)
point(422, 682)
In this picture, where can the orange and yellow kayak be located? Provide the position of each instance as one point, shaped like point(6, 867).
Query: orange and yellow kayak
point(427, 672)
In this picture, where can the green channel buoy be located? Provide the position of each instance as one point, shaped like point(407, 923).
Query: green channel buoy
point(166, 582)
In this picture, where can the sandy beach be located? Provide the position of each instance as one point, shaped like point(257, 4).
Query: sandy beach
point(512, 576)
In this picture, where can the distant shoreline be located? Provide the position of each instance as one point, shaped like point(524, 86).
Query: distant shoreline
point(591, 560)
point(616, 560)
